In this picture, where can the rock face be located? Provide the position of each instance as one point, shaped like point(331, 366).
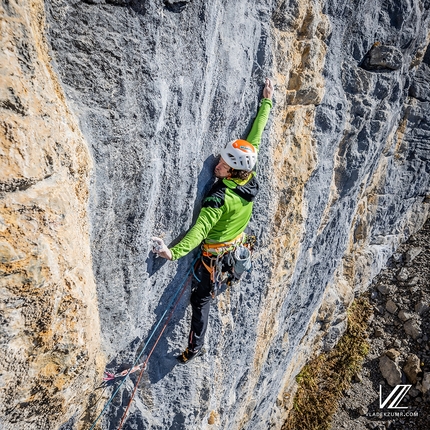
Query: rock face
point(159, 87)
point(50, 336)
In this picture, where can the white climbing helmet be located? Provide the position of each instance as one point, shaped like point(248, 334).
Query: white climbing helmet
point(240, 155)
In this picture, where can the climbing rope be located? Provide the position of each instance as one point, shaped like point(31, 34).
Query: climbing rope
point(180, 291)
point(149, 355)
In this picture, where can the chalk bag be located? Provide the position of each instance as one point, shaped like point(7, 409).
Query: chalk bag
point(242, 257)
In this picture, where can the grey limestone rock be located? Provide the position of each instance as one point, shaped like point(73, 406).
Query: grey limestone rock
point(403, 274)
point(412, 282)
point(386, 289)
point(390, 371)
point(419, 88)
point(392, 354)
point(413, 328)
point(159, 88)
point(412, 254)
point(379, 332)
point(363, 410)
point(421, 307)
point(405, 315)
point(381, 57)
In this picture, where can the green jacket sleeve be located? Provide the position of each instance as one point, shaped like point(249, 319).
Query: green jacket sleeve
point(254, 136)
point(208, 217)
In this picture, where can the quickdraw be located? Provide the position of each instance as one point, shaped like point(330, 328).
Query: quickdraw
point(109, 376)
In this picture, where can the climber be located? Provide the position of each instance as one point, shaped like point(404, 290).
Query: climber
point(225, 213)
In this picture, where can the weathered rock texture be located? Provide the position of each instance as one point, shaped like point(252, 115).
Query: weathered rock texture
point(394, 356)
point(159, 87)
point(50, 338)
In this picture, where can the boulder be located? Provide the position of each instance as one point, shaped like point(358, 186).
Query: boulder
point(383, 57)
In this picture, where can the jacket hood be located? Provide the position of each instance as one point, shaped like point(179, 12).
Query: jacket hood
point(247, 190)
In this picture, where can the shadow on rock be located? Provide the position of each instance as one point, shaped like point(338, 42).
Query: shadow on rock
point(153, 349)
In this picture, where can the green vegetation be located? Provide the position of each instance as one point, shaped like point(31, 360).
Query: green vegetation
point(323, 380)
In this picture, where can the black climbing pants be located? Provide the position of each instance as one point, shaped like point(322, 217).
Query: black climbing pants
point(201, 298)
point(200, 302)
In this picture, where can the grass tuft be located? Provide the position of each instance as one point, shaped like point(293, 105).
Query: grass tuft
point(324, 379)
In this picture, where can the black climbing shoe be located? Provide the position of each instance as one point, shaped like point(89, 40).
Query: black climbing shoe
point(188, 355)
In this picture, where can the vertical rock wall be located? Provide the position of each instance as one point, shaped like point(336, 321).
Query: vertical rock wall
point(159, 87)
point(367, 191)
point(50, 356)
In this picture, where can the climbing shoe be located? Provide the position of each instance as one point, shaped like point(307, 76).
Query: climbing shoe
point(188, 355)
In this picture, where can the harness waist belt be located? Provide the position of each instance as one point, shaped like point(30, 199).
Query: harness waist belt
point(220, 248)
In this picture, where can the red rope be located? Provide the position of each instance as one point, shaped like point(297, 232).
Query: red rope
point(149, 355)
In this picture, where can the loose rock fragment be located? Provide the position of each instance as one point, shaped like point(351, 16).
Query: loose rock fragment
point(391, 307)
point(390, 371)
point(412, 254)
point(382, 57)
point(403, 274)
point(413, 329)
point(421, 308)
point(392, 354)
point(412, 368)
point(379, 332)
point(426, 382)
point(383, 289)
point(405, 315)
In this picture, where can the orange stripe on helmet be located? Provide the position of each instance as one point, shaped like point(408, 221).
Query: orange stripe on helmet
point(243, 145)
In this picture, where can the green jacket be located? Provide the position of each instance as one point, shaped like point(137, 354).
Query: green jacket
point(227, 208)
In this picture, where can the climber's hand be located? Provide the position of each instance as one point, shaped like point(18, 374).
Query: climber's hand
point(160, 248)
point(268, 89)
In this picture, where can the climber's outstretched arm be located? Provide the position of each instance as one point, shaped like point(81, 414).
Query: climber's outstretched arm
point(254, 136)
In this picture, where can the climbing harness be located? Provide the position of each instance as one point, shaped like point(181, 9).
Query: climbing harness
point(234, 254)
point(111, 376)
point(214, 249)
